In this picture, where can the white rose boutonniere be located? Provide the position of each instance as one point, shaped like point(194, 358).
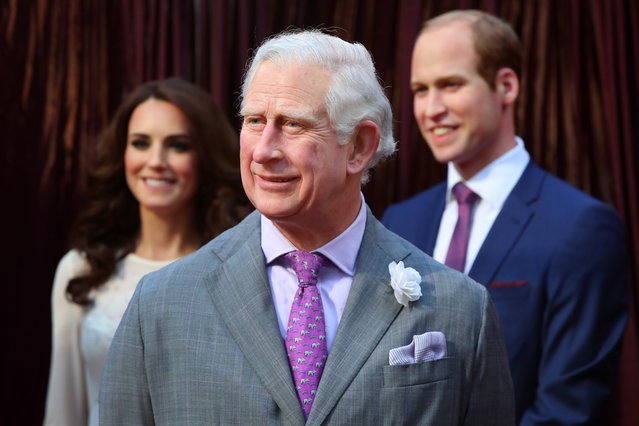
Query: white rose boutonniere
point(405, 282)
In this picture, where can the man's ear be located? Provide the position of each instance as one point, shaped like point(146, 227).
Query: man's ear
point(507, 85)
point(363, 146)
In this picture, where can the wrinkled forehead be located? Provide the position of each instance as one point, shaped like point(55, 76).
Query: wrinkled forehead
point(299, 86)
point(281, 63)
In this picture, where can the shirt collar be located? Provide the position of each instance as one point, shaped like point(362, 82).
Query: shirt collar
point(341, 251)
point(494, 182)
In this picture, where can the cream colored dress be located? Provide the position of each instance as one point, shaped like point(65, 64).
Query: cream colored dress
point(81, 337)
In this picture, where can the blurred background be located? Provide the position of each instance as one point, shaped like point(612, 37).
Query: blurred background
point(66, 64)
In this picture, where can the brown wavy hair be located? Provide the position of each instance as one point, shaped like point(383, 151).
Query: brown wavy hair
point(107, 227)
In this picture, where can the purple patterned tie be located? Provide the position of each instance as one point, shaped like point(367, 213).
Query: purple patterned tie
point(306, 334)
point(456, 257)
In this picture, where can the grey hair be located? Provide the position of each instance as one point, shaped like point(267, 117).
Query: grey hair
point(354, 93)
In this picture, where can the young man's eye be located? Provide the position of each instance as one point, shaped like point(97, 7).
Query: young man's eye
point(419, 90)
point(451, 85)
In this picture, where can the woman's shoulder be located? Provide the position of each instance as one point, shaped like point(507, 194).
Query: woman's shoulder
point(74, 261)
point(72, 264)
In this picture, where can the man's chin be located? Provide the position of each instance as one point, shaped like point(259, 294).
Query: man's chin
point(443, 157)
point(275, 213)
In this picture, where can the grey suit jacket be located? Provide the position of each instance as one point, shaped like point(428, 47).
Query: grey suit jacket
point(200, 345)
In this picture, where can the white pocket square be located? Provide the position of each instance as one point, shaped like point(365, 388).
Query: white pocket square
point(425, 347)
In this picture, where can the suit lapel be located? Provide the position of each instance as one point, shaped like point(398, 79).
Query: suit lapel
point(509, 226)
point(432, 219)
point(369, 311)
point(242, 295)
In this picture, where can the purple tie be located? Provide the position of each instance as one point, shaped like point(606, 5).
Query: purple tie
point(306, 333)
point(456, 257)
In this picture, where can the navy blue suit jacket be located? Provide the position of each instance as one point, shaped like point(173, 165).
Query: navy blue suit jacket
point(554, 263)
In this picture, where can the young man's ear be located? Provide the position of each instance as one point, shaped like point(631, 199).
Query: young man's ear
point(363, 147)
point(507, 85)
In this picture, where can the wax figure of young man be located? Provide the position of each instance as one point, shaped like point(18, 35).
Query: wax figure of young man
point(553, 258)
point(215, 338)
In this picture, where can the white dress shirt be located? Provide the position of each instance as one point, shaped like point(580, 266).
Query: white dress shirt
point(334, 280)
point(493, 184)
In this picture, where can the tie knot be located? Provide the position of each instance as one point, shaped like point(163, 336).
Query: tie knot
point(464, 195)
point(306, 265)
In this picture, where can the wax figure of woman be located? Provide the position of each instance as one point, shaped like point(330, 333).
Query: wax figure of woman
point(166, 181)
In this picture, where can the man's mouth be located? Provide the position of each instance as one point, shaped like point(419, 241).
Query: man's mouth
point(276, 179)
point(441, 131)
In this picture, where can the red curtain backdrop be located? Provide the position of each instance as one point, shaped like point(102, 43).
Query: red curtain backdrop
point(65, 65)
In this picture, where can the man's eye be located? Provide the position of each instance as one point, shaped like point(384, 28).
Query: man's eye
point(452, 85)
point(252, 121)
point(294, 126)
point(417, 90)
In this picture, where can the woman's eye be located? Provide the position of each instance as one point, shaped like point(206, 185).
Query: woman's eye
point(181, 146)
point(139, 143)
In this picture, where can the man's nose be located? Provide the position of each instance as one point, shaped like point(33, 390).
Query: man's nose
point(268, 146)
point(435, 105)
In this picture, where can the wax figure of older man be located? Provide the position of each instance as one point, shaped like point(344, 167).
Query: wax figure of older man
point(552, 258)
point(224, 336)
